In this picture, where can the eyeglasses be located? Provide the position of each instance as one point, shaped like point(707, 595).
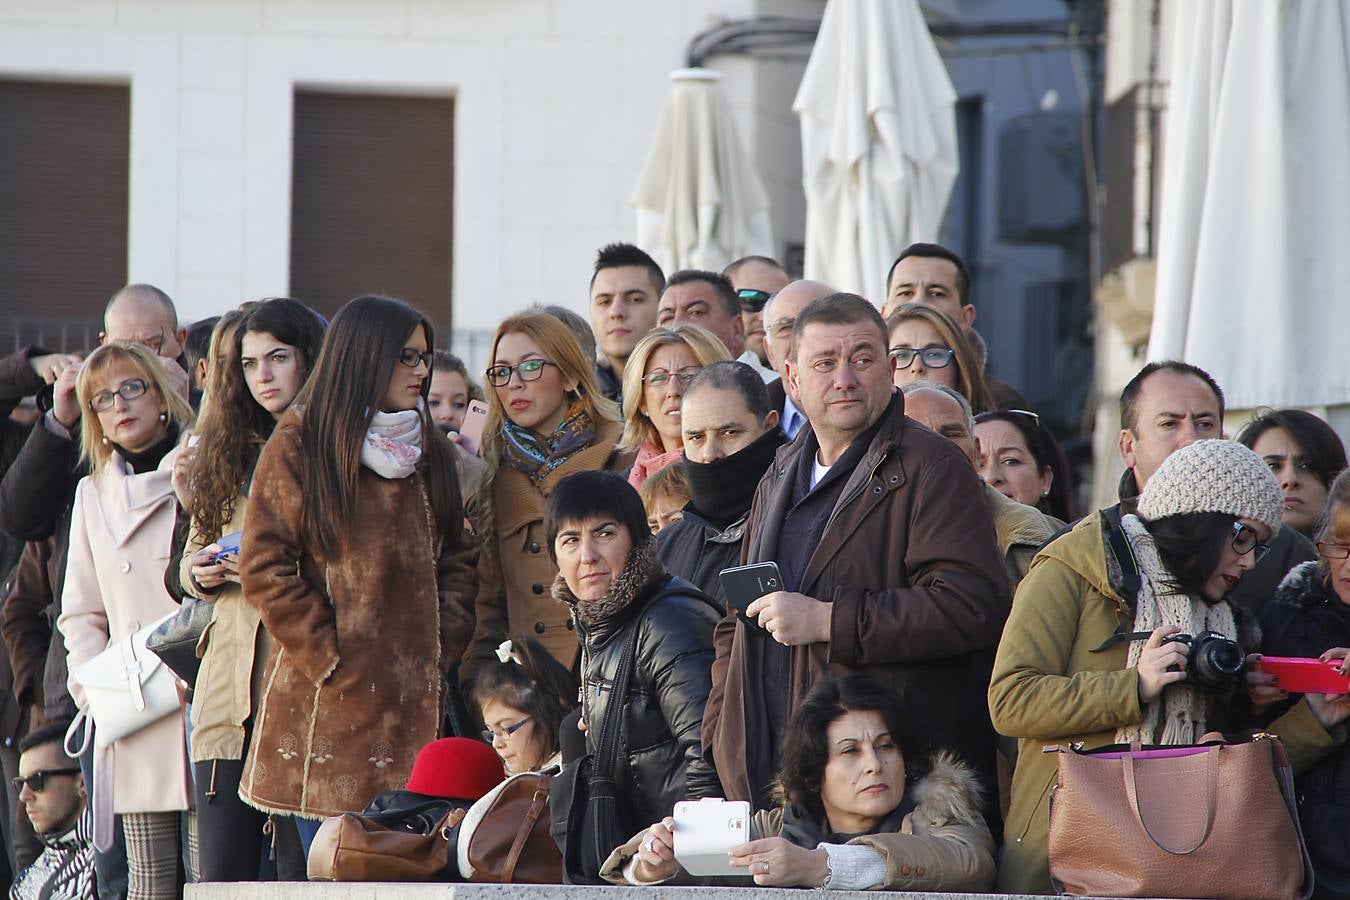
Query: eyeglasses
point(658, 379)
point(127, 390)
point(933, 357)
point(411, 357)
point(492, 734)
point(37, 781)
point(781, 329)
point(1333, 551)
point(1245, 541)
point(528, 369)
point(751, 299)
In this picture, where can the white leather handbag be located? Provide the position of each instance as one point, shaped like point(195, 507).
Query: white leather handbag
point(126, 687)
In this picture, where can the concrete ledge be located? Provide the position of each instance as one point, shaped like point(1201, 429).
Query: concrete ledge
point(376, 891)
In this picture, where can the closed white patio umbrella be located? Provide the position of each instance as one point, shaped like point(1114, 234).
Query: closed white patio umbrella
point(879, 153)
point(700, 203)
point(1254, 228)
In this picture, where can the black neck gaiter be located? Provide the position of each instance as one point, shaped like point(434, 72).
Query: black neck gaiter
point(721, 491)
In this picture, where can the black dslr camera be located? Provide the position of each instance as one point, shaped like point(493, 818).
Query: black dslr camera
point(1213, 662)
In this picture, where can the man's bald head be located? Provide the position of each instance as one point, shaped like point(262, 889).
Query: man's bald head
point(781, 312)
point(144, 314)
point(941, 409)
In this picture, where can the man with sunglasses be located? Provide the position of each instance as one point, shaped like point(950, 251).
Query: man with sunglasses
point(707, 299)
point(756, 279)
point(52, 791)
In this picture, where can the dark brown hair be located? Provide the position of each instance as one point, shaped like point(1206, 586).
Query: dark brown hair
point(1318, 440)
point(806, 747)
point(232, 421)
point(838, 309)
point(538, 685)
point(359, 354)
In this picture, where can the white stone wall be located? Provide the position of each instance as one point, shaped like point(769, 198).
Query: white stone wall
point(556, 101)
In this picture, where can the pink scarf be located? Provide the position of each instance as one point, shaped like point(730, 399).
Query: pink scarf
point(651, 460)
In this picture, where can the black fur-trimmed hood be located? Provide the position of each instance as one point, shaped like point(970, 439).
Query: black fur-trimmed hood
point(1303, 587)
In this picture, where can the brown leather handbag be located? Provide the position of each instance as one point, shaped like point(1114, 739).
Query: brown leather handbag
point(1205, 820)
point(355, 847)
point(511, 843)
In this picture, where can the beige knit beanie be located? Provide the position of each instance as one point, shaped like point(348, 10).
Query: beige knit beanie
point(1213, 476)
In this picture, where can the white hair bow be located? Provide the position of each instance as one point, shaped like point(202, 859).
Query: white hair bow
point(506, 653)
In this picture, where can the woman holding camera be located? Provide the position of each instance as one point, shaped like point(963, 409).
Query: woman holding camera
point(613, 583)
point(1068, 670)
point(863, 807)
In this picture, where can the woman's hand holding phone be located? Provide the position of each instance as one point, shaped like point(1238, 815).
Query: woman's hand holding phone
point(656, 852)
point(211, 568)
point(777, 862)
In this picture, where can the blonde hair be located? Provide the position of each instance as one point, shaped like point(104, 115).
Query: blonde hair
point(94, 450)
point(969, 370)
point(669, 483)
point(707, 349)
point(557, 342)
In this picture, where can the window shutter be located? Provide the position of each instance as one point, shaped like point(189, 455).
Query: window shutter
point(371, 200)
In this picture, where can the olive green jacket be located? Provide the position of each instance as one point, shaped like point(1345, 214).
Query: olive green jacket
point(1049, 688)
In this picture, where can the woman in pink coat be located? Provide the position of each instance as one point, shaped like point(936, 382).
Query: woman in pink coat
point(120, 534)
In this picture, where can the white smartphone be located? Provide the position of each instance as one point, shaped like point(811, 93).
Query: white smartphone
point(705, 832)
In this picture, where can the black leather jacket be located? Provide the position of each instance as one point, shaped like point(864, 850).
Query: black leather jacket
point(660, 759)
point(1304, 619)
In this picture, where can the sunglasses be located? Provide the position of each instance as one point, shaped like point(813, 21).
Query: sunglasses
point(37, 781)
point(751, 299)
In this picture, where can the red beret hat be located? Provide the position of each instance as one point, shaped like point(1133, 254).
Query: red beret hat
point(456, 769)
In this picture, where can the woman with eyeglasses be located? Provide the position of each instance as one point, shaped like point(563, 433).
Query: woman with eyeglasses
point(355, 555)
point(546, 420)
point(1021, 459)
point(654, 378)
point(928, 346)
point(258, 362)
point(121, 529)
point(1310, 617)
point(1083, 659)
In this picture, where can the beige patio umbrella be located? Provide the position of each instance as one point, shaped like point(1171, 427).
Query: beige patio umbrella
point(1253, 273)
point(700, 203)
point(879, 153)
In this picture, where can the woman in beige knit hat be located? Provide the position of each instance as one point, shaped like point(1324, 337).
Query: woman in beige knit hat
point(1074, 664)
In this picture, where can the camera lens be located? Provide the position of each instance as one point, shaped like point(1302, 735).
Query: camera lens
point(1217, 660)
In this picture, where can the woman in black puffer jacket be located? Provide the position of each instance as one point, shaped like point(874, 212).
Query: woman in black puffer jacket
point(610, 577)
point(1309, 615)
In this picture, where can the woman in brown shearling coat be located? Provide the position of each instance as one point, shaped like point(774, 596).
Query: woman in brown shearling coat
point(355, 555)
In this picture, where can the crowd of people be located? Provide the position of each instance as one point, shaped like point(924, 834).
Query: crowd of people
point(383, 550)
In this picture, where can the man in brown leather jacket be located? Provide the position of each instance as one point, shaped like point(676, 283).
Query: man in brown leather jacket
point(886, 547)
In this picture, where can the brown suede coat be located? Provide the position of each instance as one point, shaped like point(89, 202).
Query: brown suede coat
point(363, 639)
point(919, 593)
point(514, 594)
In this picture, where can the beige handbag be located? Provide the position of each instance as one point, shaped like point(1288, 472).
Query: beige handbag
point(1206, 820)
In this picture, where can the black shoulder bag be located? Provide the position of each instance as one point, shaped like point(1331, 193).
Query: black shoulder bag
point(582, 799)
